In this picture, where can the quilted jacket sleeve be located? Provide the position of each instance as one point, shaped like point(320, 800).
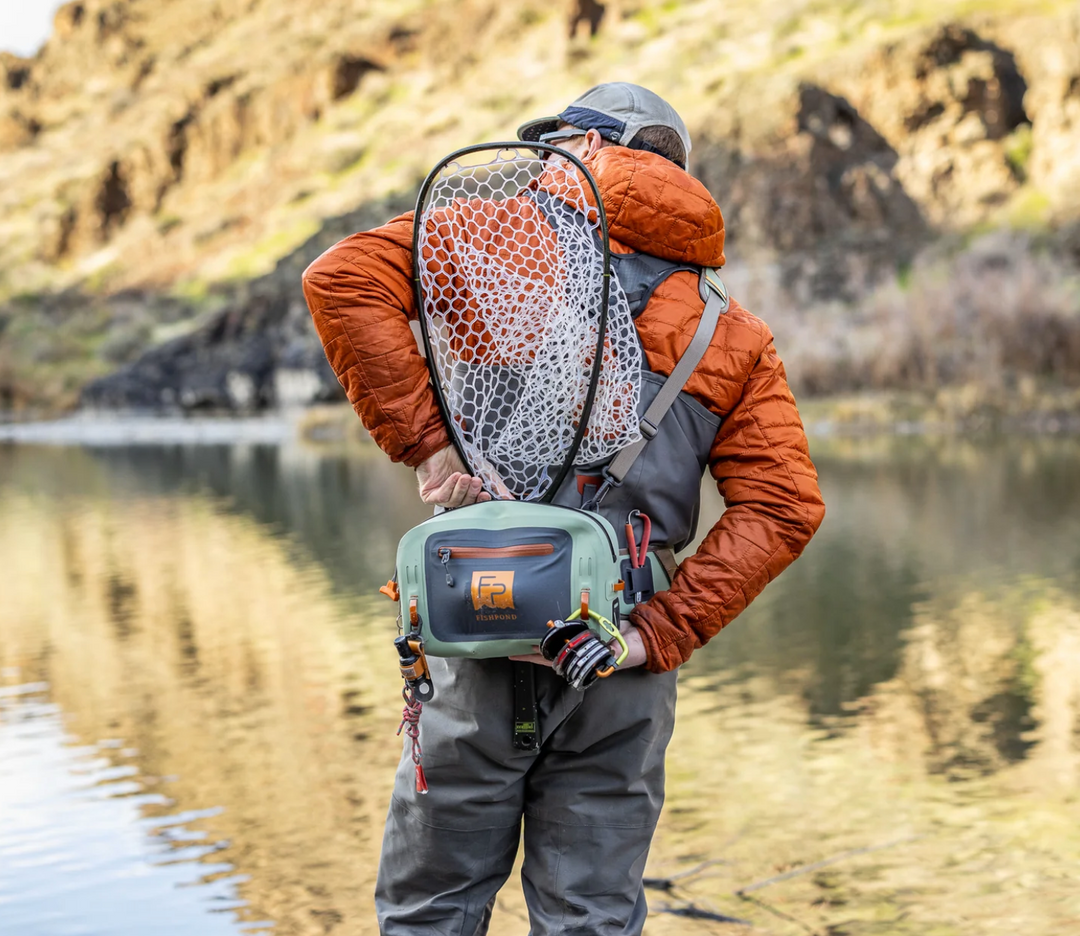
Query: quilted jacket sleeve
point(361, 299)
point(762, 467)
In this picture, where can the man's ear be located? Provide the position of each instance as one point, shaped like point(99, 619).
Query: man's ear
point(593, 142)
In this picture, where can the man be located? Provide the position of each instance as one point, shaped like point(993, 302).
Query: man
point(590, 797)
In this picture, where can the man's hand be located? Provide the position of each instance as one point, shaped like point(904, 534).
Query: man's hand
point(443, 481)
point(636, 646)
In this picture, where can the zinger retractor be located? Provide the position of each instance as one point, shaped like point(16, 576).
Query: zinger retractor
point(414, 667)
point(417, 690)
point(576, 653)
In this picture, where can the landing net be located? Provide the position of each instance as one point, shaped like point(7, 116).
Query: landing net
point(511, 265)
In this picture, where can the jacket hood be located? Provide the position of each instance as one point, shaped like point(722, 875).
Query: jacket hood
point(655, 207)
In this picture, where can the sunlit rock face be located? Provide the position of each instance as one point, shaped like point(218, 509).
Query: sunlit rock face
point(1053, 102)
point(948, 103)
point(188, 147)
point(176, 126)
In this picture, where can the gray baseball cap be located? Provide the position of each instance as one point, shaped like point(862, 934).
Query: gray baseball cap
point(617, 110)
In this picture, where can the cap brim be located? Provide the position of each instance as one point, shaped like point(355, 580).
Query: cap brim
point(531, 131)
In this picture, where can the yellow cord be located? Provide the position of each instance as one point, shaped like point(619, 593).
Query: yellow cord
point(609, 629)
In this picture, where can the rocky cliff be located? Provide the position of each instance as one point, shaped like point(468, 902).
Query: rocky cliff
point(167, 168)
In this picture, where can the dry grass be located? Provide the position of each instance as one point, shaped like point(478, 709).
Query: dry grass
point(331, 424)
point(998, 316)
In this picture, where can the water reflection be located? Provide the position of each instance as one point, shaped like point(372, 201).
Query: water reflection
point(917, 673)
point(345, 508)
point(908, 519)
point(187, 632)
point(75, 838)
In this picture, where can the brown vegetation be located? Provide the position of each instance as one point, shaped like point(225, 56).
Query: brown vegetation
point(998, 315)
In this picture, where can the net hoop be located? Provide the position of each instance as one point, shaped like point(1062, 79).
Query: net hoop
point(511, 153)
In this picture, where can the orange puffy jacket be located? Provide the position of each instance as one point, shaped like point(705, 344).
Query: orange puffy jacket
point(361, 298)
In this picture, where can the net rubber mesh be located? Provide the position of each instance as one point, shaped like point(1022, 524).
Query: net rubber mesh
point(511, 265)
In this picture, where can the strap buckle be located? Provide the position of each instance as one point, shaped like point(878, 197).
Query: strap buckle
point(593, 503)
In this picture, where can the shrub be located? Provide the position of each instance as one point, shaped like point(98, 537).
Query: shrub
point(987, 316)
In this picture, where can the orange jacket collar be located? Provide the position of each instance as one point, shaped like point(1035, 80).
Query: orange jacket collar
point(655, 207)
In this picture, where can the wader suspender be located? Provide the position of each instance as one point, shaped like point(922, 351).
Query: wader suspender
point(712, 290)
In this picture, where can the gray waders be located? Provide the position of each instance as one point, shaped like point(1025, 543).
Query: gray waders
point(589, 800)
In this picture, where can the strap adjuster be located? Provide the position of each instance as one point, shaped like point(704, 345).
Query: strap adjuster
point(648, 428)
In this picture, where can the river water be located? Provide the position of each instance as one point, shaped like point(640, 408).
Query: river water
point(198, 699)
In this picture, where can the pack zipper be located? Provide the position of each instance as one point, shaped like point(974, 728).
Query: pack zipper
point(495, 552)
point(446, 553)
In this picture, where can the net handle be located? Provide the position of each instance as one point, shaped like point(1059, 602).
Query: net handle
point(418, 288)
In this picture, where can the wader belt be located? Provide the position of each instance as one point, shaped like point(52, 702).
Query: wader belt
point(526, 728)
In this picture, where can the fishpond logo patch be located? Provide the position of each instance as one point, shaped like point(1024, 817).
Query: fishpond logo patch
point(492, 590)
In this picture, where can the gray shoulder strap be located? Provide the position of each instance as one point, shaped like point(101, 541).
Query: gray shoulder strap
point(713, 291)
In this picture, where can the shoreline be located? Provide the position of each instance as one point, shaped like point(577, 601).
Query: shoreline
point(878, 414)
point(106, 429)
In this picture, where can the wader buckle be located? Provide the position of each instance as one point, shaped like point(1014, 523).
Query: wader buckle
point(526, 730)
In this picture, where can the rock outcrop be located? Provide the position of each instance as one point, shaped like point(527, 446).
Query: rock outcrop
point(257, 351)
point(1051, 59)
point(167, 125)
point(948, 104)
point(191, 146)
point(819, 193)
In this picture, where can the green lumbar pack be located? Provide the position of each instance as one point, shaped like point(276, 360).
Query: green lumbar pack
point(485, 580)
